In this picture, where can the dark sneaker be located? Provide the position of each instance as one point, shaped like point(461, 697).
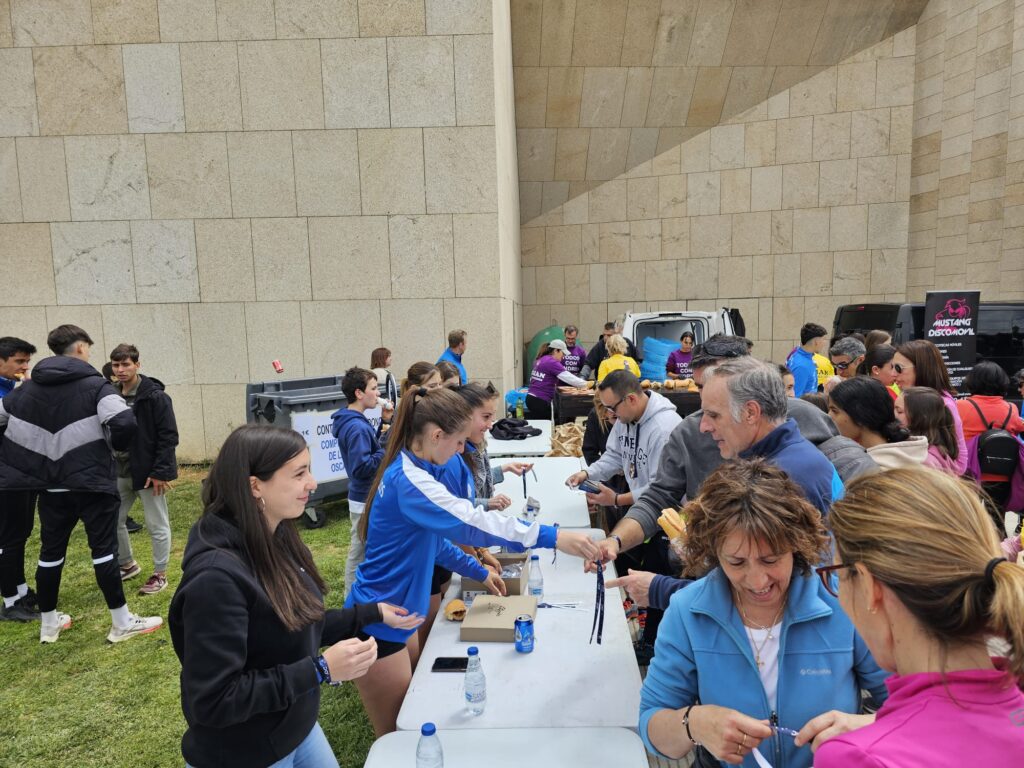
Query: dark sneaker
point(130, 571)
point(132, 525)
point(30, 599)
point(155, 583)
point(20, 611)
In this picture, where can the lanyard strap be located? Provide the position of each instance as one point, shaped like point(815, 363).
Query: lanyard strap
point(598, 626)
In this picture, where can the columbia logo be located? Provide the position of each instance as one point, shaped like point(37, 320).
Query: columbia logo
point(815, 672)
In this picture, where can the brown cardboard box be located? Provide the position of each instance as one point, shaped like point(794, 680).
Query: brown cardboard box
point(471, 588)
point(493, 619)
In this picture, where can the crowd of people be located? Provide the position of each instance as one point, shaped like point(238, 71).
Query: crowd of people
point(845, 592)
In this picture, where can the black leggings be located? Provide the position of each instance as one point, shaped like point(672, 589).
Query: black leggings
point(537, 408)
point(17, 514)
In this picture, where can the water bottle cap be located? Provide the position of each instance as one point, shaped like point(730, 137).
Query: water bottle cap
point(428, 729)
point(535, 557)
point(472, 650)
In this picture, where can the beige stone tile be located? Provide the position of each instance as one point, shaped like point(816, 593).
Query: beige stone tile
point(476, 254)
point(660, 281)
point(223, 408)
point(273, 330)
point(869, 133)
point(556, 32)
point(709, 96)
point(326, 173)
point(280, 251)
point(727, 147)
point(901, 124)
point(637, 96)
point(531, 95)
point(526, 28)
point(576, 210)
point(460, 170)
point(422, 257)
point(92, 262)
point(28, 323)
point(736, 191)
point(6, 35)
point(571, 153)
point(391, 170)
point(703, 196)
point(763, 268)
point(530, 197)
point(224, 256)
point(89, 318)
point(564, 96)
point(887, 225)
point(107, 177)
point(645, 240)
point(671, 94)
point(876, 179)
point(51, 22)
point(710, 32)
point(577, 283)
point(851, 271)
point(672, 196)
point(697, 279)
point(551, 285)
point(160, 331)
point(598, 33)
point(889, 270)
point(747, 93)
point(125, 21)
point(262, 173)
point(782, 231)
point(528, 282)
point(810, 229)
point(794, 140)
point(590, 246)
point(831, 136)
point(324, 321)
point(421, 81)
point(281, 85)
point(848, 228)
point(458, 17)
point(607, 152)
point(747, 42)
point(245, 19)
point(751, 234)
point(642, 198)
point(390, 18)
point(532, 246)
point(613, 242)
point(710, 236)
point(626, 282)
point(355, 76)
point(28, 265)
point(643, 146)
point(317, 18)
point(164, 257)
point(608, 202)
point(603, 92)
point(79, 90)
point(349, 257)
point(856, 86)
point(695, 154)
point(675, 238)
point(209, 79)
point(414, 329)
point(153, 88)
point(816, 277)
point(480, 318)
point(786, 276)
point(188, 176)
point(187, 20)
point(563, 246)
point(759, 143)
point(736, 276)
point(766, 188)
point(640, 32)
point(897, 77)
point(474, 79)
point(837, 182)
point(216, 362)
point(814, 96)
point(10, 195)
point(43, 179)
point(800, 185)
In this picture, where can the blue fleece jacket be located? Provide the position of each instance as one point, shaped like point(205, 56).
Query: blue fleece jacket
point(6, 385)
point(805, 372)
point(359, 448)
point(450, 357)
point(703, 655)
point(412, 517)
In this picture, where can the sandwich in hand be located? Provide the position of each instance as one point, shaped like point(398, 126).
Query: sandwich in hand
point(672, 524)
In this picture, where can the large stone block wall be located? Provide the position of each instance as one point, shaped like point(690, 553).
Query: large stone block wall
point(224, 183)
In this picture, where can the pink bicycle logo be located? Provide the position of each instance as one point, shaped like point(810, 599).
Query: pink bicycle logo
point(955, 309)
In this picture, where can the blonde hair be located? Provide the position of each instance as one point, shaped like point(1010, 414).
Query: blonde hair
point(926, 535)
point(616, 345)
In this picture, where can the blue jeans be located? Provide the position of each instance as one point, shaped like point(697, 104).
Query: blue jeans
point(313, 752)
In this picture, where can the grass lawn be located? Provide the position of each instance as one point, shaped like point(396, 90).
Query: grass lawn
point(85, 703)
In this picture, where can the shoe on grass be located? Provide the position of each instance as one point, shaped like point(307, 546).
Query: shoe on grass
point(20, 611)
point(155, 583)
point(130, 571)
point(137, 625)
point(30, 599)
point(133, 526)
point(48, 634)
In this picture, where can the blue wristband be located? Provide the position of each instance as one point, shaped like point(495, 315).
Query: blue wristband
point(323, 672)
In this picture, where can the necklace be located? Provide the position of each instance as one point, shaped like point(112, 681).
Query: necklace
point(768, 630)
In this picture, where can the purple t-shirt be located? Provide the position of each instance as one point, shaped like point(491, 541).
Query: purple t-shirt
point(573, 360)
point(679, 362)
point(544, 378)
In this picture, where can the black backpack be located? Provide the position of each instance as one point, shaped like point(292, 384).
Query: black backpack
point(998, 450)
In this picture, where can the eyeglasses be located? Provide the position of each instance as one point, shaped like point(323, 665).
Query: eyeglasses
point(825, 574)
point(842, 366)
point(900, 368)
point(613, 407)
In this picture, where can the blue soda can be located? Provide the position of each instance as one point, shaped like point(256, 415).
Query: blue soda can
point(524, 633)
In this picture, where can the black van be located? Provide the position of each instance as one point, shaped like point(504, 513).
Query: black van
point(1000, 327)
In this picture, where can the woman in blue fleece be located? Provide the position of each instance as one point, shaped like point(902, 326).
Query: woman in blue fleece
point(758, 642)
point(409, 519)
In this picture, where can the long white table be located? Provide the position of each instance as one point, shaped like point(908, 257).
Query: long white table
point(516, 748)
point(558, 503)
point(565, 683)
point(531, 446)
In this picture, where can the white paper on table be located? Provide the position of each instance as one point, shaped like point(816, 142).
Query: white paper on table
point(759, 759)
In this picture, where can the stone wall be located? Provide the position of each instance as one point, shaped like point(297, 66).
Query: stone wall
point(227, 183)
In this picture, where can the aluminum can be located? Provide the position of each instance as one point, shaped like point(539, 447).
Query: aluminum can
point(525, 636)
point(277, 366)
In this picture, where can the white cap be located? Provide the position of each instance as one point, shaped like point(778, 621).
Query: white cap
point(558, 344)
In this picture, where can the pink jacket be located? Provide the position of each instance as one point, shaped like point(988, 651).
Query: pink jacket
point(938, 460)
point(958, 426)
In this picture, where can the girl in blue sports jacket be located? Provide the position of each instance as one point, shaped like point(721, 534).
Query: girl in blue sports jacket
point(410, 520)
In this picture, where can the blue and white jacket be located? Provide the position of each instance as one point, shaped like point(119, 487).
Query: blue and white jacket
point(412, 518)
point(450, 357)
point(703, 656)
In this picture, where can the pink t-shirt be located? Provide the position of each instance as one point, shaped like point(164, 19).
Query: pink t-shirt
point(970, 718)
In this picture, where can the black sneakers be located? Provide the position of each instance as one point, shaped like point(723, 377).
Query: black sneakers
point(20, 611)
point(132, 525)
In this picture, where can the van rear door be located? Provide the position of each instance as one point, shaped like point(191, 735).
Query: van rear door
point(669, 326)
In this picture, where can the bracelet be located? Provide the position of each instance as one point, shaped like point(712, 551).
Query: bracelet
point(323, 672)
point(617, 540)
point(686, 723)
point(616, 499)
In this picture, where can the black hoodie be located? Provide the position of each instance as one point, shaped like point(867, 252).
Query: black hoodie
point(249, 687)
point(152, 451)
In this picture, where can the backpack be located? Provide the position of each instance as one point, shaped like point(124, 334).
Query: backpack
point(998, 450)
point(513, 429)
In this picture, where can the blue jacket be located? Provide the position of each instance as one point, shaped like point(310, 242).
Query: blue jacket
point(703, 655)
point(6, 385)
point(456, 360)
point(805, 372)
point(360, 451)
point(412, 517)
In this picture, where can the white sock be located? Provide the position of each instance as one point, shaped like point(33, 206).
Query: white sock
point(122, 616)
point(9, 601)
point(49, 618)
point(22, 590)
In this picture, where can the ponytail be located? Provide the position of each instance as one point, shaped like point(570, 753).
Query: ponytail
point(1006, 606)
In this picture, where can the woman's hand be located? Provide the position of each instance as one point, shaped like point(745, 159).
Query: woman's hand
point(488, 560)
point(495, 585)
point(578, 544)
point(499, 502)
point(518, 468)
point(349, 659)
point(576, 478)
point(820, 729)
point(729, 735)
point(637, 585)
point(399, 618)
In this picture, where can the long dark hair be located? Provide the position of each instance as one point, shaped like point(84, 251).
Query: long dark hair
point(476, 396)
point(869, 406)
point(275, 557)
point(875, 357)
point(928, 415)
point(417, 374)
point(416, 411)
point(929, 368)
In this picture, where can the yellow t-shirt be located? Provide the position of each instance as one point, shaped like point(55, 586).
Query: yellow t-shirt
point(825, 369)
point(617, 363)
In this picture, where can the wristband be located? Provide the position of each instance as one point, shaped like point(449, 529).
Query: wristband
point(616, 499)
point(323, 671)
point(617, 539)
point(686, 723)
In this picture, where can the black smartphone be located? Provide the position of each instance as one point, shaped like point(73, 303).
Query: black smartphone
point(450, 664)
point(589, 486)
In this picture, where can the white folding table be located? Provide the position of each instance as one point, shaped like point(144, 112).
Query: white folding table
point(531, 446)
point(558, 503)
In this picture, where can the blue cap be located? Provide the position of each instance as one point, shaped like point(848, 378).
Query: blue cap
point(428, 729)
point(535, 557)
point(472, 650)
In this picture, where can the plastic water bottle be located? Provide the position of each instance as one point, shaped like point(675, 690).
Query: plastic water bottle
point(535, 585)
point(428, 750)
point(476, 683)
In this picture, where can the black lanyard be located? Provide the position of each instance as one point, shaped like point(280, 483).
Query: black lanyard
point(598, 626)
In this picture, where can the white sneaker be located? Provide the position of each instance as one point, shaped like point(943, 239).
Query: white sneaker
point(137, 625)
point(48, 634)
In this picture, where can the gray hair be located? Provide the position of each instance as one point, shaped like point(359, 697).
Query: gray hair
point(749, 379)
point(849, 346)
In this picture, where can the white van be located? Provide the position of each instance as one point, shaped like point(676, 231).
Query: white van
point(669, 325)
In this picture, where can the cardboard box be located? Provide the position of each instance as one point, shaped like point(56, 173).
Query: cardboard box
point(471, 588)
point(493, 619)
